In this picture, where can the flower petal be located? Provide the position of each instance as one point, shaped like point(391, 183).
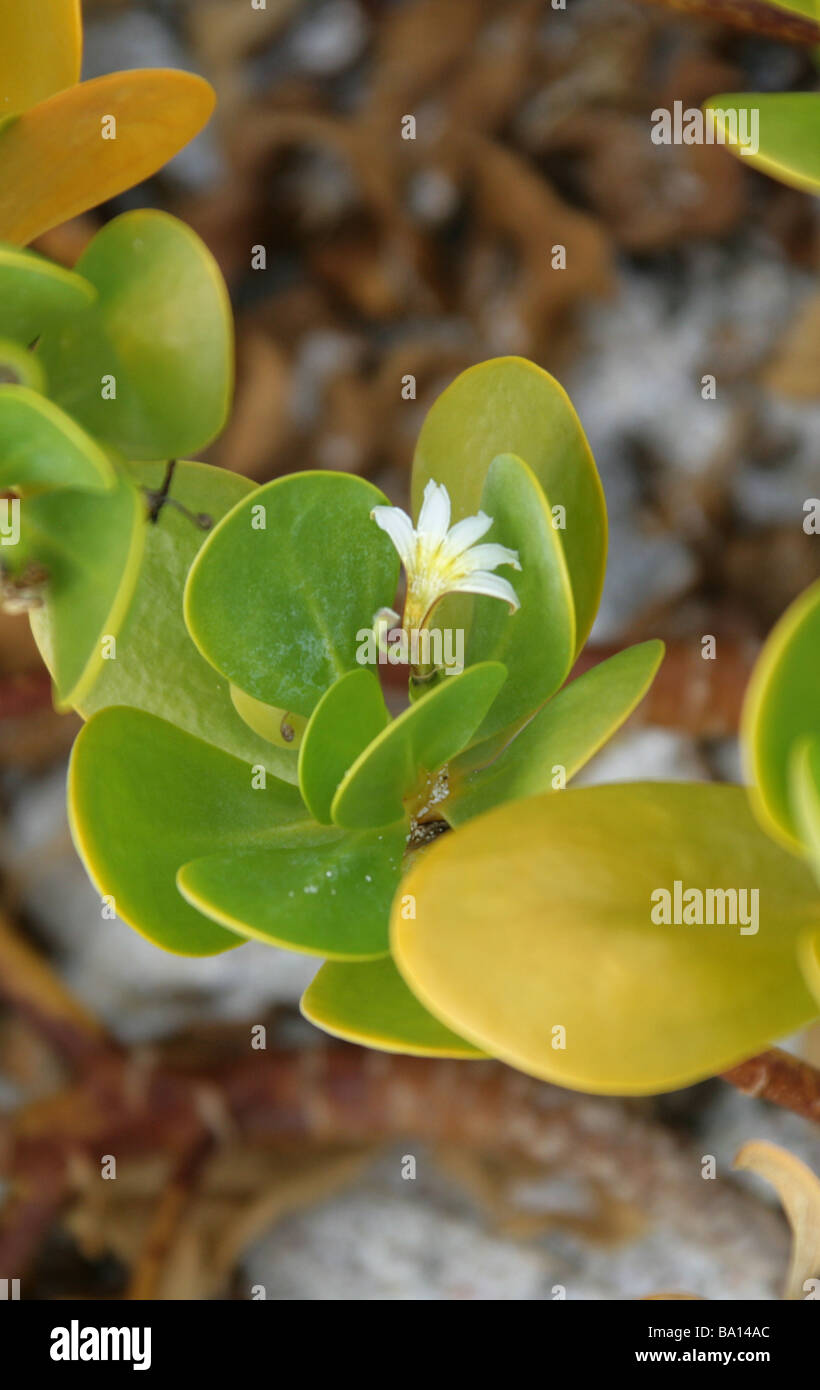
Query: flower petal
point(434, 517)
point(490, 556)
point(464, 534)
point(399, 528)
point(481, 582)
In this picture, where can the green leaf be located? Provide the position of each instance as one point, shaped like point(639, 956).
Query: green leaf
point(279, 726)
point(36, 294)
point(371, 1005)
point(41, 446)
point(90, 545)
point(565, 734)
point(805, 797)
point(54, 163)
point(536, 643)
point(145, 798)
point(161, 327)
point(286, 581)
point(537, 918)
point(413, 747)
point(19, 367)
point(510, 406)
point(782, 710)
point(327, 899)
point(348, 716)
point(158, 669)
point(788, 138)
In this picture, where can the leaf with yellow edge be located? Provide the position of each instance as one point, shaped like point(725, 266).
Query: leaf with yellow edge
point(369, 1003)
point(511, 406)
point(805, 800)
point(787, 143)
point(278, 726)
point(36, 294)
point(799, 1191)
point(781, 711)
point(42, 447)
point(54, 163)
point(534, 935)
point(19, 367)
point(561, 737)
point(41, 51)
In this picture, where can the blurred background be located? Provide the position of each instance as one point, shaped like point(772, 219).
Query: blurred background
point(388, 257)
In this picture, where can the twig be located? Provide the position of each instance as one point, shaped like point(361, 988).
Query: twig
point(779, 1077)
point(147, 1274)
point(755, 15)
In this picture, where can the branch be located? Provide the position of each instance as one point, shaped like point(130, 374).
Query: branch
point(756, 15)
point(33, 990)
point(779, 1077)
point(173, 1205)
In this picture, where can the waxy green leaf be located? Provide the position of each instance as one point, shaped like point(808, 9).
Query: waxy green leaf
point(782, 711)
point(285, 583)
point(348, 716)
point(160, 335)
point(145, 798)
point(788, 133)
point(279, 726)
point(36, 294)
point(511, 406)
point(19, 367)
point(556, 743)
point(90, 545)
point(158, 669)
point(536, 643)
point(805, 797)
point(534, 935)
point(42, 447)
point(330, 898)
point(413, 747)
point(371, 1005)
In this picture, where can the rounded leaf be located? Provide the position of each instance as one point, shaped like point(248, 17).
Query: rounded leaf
point(511, 406)
point(371, 1005)
point(787, 146)
point(54, 163)
point(19, 367)
point(537, 642)
point(41, 50)
point(278, 726)
point(36, 294)
point(781, 711)
point(415, 746)
point(348, 716)
point(90, 544)
point(145, 798)
point(557, 742)
point(534, 935)
point(329, 898)
point(285, 583)
point(42, 447)
point(158, 338)
point(158, 669)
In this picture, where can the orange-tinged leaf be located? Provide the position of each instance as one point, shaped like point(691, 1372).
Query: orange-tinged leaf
point(55, 164)
point(41, 50)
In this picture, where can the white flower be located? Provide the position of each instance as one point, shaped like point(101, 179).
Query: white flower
point(441, 560)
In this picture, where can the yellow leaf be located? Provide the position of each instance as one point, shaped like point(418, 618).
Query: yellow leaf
point(41, 51)
point(552, 933)
point(55, 162)
point(799, 1191)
